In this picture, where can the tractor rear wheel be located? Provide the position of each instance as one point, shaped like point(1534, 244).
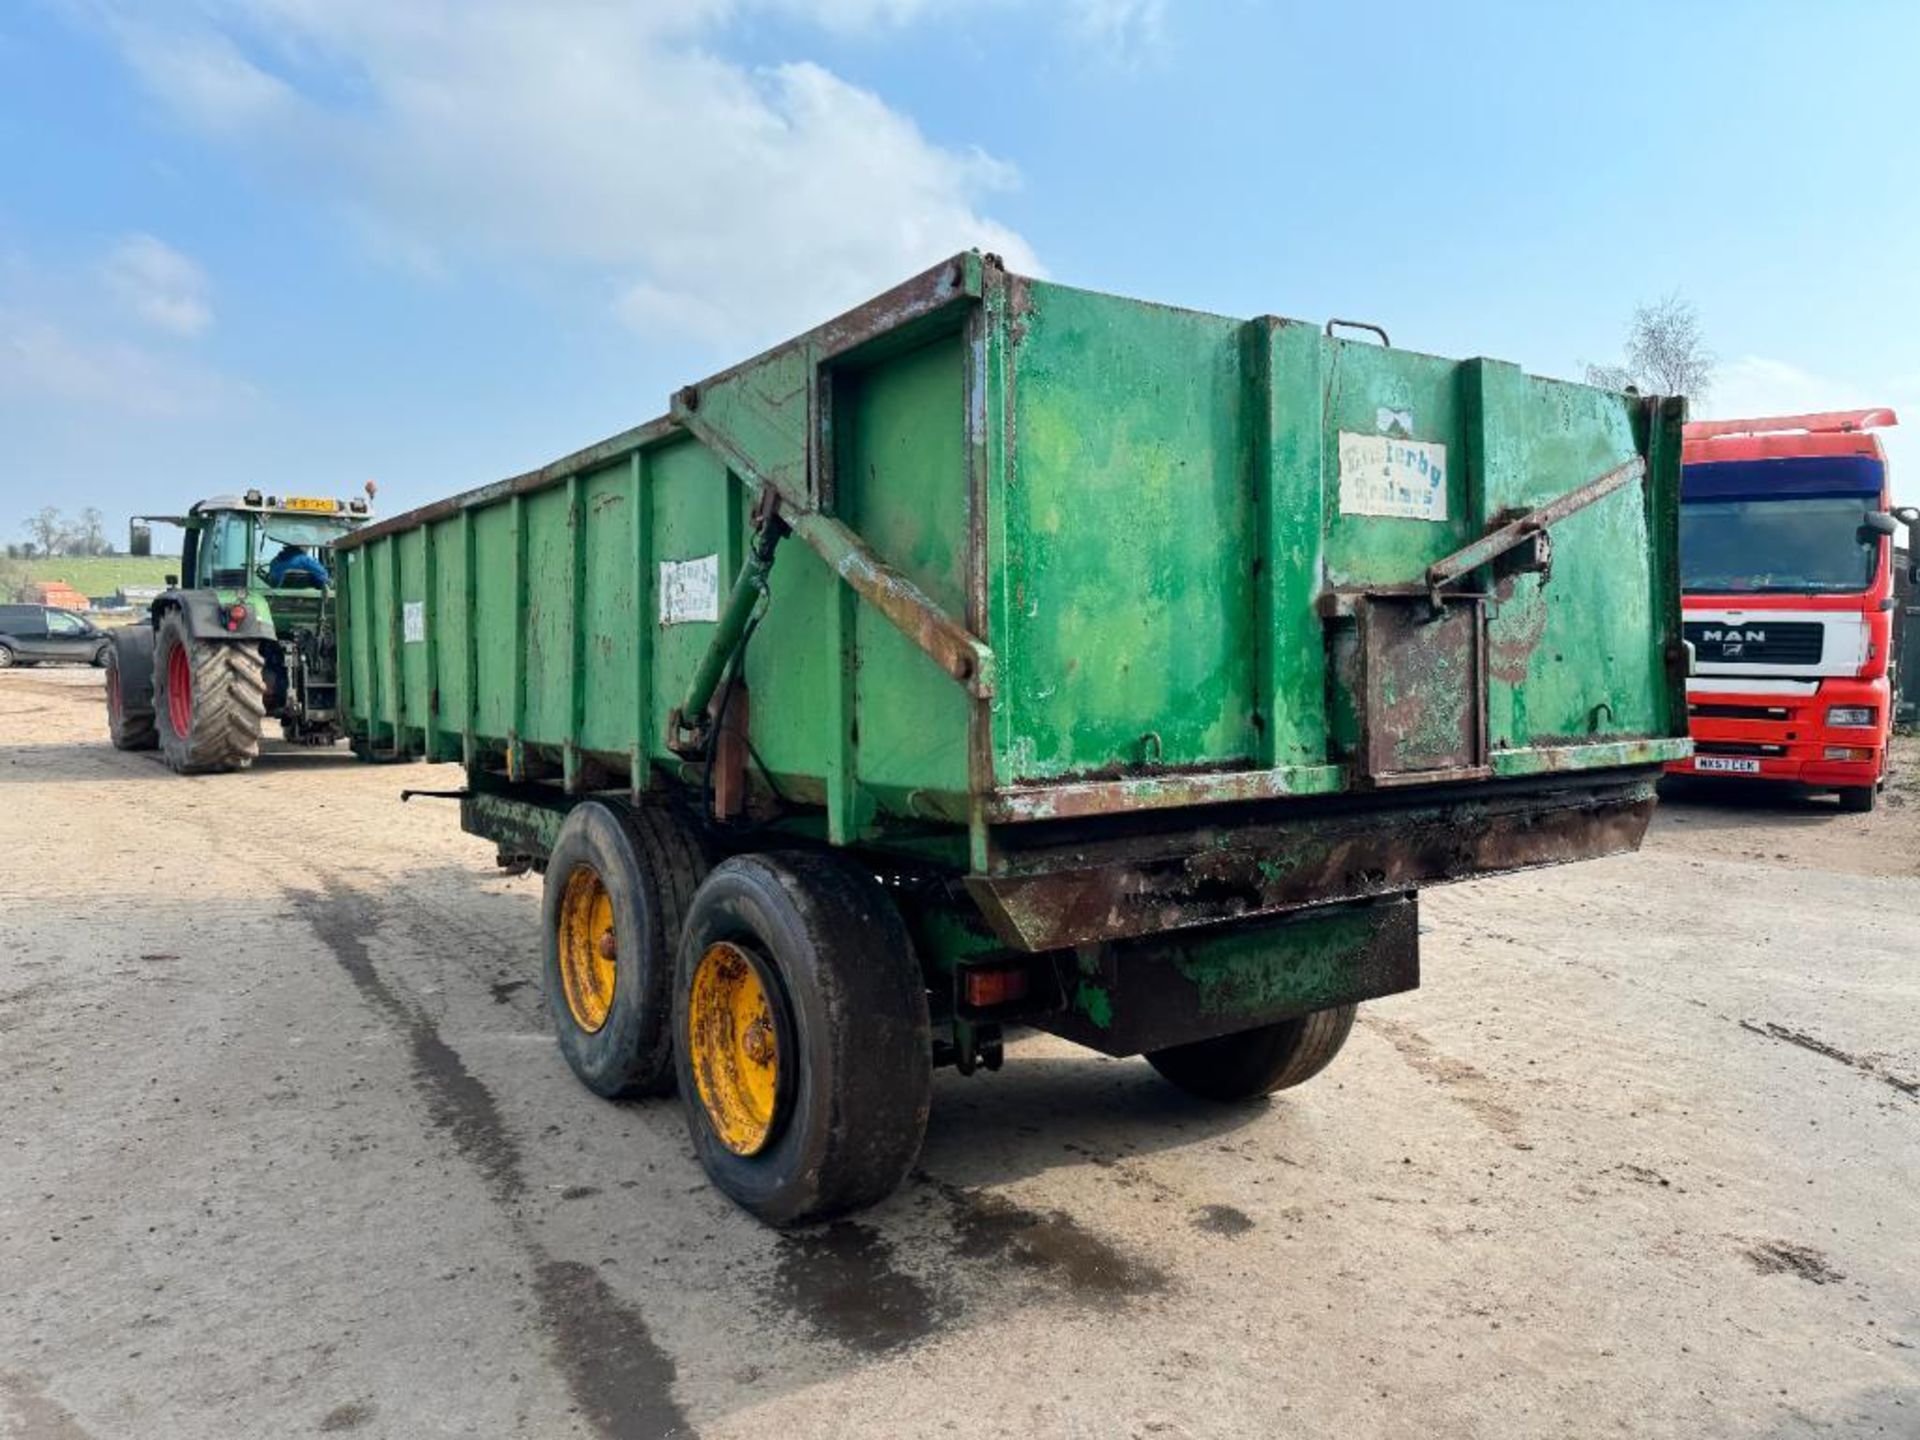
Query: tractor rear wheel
point(210, 698)
point(130, 689)
point(1257, 1062)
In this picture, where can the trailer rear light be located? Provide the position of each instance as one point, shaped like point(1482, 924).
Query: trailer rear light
point(985, 988)
point(1851, 715)
point(1848, 752)
point(236, 616)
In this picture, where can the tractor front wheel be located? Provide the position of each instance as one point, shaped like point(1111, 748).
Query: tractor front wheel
point(129, 664)
point(210, 698)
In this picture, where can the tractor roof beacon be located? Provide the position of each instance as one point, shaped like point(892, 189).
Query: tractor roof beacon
point(245, 632)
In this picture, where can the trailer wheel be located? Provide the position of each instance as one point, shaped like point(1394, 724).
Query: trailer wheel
point(1859, 799)
point(210, 698)
point(1257, 1062)
point(803, 1044)
point(616, 894)
point(130, 689)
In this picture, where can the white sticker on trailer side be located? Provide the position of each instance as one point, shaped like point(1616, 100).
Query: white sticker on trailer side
point(413, 622)
point(689, 590)
point(1385, 475)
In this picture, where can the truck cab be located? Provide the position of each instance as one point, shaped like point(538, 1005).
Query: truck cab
point(1787, 577)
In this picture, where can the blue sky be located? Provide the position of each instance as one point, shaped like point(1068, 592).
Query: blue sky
point(312, 242)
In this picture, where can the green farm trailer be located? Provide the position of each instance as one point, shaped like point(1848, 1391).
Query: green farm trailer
point(1004, 654)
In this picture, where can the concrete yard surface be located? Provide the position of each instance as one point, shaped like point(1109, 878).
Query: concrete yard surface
point(287, 1149)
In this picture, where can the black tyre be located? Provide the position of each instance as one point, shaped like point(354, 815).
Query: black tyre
point(1257, 1062)
point(7, 659)
point(129, 662)
point(1859, 799)
point(100, 655)
point(210, 697)
point(801, 1036)
point(617, 889)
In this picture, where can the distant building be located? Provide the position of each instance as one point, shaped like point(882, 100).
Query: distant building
point(54, 592)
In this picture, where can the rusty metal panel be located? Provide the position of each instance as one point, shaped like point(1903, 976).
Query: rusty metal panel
point(1088, 885)
point(1423, 700)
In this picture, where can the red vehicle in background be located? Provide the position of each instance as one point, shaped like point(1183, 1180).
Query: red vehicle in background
point(1786, 573)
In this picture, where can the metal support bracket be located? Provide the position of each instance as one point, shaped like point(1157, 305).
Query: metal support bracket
point(945, 640)
point(690, 724)
point(1527, 529)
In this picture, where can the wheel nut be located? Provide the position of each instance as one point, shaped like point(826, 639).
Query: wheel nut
point(606, 946)
point(758, 1042)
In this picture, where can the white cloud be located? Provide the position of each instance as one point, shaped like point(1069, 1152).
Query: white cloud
point(1756, 385)
point(68, 336)
point(162, 287)
point(203, 74)
point(1124, 31)
point(737, 204)
point(41, 360)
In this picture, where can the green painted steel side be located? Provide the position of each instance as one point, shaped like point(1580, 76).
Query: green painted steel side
point(1135, 516)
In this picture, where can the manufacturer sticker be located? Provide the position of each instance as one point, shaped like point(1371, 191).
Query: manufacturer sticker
point(1384, 475)
point(689, 590)
point(413, 621)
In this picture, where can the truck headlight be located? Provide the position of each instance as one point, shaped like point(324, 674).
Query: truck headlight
point(1850, 715)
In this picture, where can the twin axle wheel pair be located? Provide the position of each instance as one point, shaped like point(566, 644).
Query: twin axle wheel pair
point(780, 994)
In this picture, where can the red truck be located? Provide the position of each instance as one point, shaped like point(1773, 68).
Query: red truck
point(1786, 570)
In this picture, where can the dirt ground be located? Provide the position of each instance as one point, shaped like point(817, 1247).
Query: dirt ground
point(287, 1149)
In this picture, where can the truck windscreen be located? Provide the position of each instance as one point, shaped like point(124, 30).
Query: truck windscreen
point(1780, 544)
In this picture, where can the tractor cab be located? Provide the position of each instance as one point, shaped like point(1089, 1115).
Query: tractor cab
point(255, 542)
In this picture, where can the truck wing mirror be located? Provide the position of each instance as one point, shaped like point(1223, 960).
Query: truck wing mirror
point(173, 582)
point(1877, 522)
point(1908, 515)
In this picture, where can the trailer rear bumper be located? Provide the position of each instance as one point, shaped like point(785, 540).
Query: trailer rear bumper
point(1162, 990)
point(1127, 876)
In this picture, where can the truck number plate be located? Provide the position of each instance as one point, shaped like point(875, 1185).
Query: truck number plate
point(1726, 765)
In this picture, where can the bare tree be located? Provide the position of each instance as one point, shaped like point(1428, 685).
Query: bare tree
point(89, 534)
point(48, 527)
point(1666, 353)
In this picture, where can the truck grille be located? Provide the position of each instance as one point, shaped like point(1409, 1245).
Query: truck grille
point(1739, 712)
point(1735, 747)
point(1757, 642)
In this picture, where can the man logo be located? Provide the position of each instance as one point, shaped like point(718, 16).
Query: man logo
point(1734, 638)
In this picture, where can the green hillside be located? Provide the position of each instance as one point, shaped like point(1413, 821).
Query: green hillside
point(92, 574)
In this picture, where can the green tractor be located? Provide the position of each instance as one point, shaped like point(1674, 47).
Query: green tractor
point(248, 636)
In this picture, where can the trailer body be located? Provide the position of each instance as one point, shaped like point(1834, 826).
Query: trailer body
point(1154, 658)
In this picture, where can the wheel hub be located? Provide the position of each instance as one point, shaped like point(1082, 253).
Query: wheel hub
point(589, 951)
point(734, 1042)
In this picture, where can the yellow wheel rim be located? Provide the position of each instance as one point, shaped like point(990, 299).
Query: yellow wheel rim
point(588, 951)
point(734, 1043)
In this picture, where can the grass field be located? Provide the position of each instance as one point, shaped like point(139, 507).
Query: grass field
point(94, 574)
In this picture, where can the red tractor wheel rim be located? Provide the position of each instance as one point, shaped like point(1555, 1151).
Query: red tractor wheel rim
point(180, 690)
